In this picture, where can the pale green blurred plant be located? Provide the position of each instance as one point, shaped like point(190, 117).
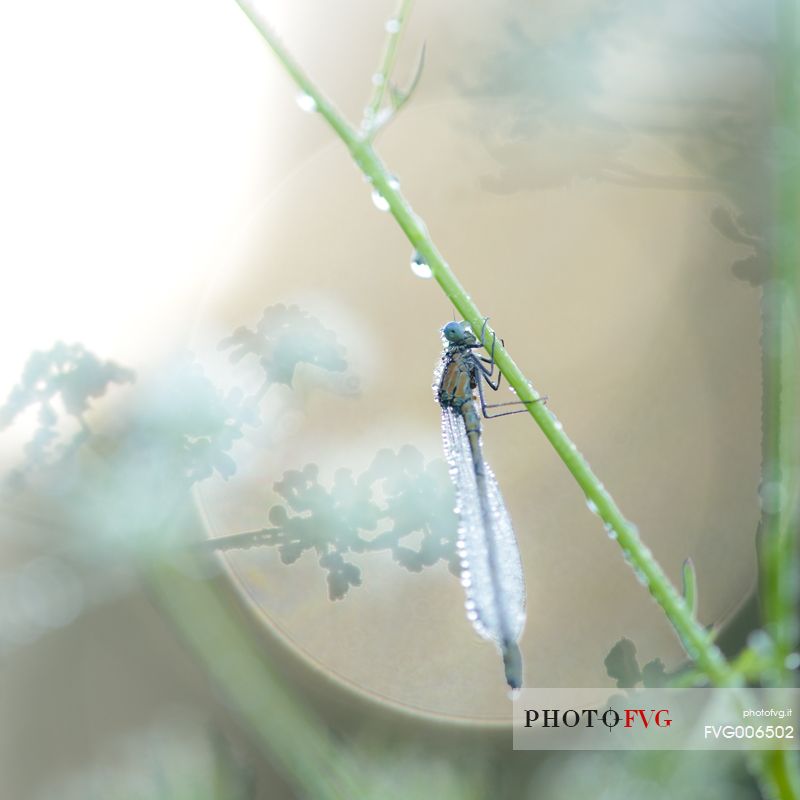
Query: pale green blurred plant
point(122, 496)
point(398, 490)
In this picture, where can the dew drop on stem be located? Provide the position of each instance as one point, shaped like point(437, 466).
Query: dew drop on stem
point(392, 25)
point(306, 102)
point(419, 267)
point(379, 201)
point(641, 577)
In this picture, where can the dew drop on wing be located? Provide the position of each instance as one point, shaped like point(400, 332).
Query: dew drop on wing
point(509, 564)
point(494, 584)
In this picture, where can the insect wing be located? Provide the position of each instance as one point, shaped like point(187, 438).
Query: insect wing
point(491, 566)
point(507, 559)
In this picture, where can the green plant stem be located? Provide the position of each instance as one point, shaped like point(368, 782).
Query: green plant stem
point(779, 553)
point(296, 739)
point(387, 61)
point(781, 470)
point(693, 635)
point(690, 585)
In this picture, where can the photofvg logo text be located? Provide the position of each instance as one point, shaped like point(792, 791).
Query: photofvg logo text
point(655, 719)
point(589, 717)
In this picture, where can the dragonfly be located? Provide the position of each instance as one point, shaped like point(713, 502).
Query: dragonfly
point(491, 569)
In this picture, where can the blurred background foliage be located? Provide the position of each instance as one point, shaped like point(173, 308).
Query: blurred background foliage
point(134, 469)
point(110, 464)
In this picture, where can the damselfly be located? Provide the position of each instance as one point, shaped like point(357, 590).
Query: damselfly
point(491, 570)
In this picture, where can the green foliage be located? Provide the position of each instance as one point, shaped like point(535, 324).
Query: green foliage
point(64, 378)
point(396, 498)
point(621, 664)
point(285, 337)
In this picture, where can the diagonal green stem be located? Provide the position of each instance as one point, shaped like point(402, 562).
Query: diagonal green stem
point(692, 634)
point(320, 767)
point(394, 30)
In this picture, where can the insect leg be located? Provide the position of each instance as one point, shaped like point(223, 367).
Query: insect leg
point(486, 406)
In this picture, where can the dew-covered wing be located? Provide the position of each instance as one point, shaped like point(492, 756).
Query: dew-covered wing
point(491, 566)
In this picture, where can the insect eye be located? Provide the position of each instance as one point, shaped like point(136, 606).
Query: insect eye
point(453, 332)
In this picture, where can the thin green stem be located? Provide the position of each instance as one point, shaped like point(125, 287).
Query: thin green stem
point(394, 30)
point(294, 737)
point(690, 585)
point(779, 550)
point(693, 635)
point(321, 104)
point(781, 481)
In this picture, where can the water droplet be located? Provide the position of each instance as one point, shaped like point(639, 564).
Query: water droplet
point(558, 426)
point(394, 182)
point(472, 616)
point(377, 79)
point(306, 102)
point(792, 661)
point(379, 201)
point(612, 534)
point(470, 605)
point(640, 576)
point(419, 267)
point(392, 25)
point(592, 506)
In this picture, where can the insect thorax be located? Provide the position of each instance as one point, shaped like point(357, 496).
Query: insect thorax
point(458, 380)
